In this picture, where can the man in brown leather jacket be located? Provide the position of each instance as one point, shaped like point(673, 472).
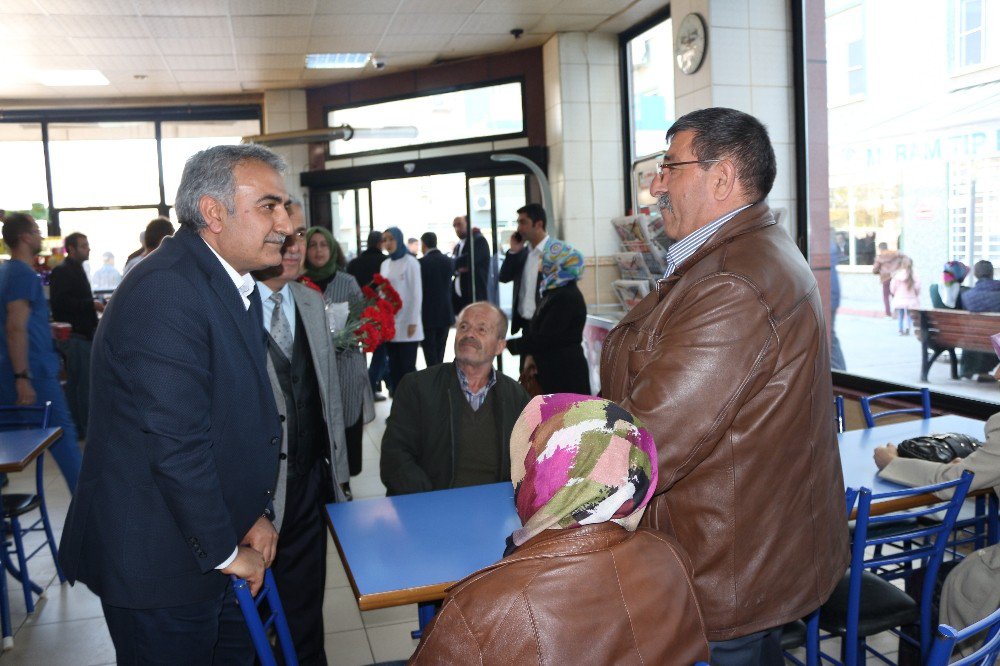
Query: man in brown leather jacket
point(727, 364)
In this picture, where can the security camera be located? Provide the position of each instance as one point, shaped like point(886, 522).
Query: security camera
point(378, 64)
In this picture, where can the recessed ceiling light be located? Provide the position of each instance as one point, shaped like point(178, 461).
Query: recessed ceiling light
point(337, 60)
point(55, 78)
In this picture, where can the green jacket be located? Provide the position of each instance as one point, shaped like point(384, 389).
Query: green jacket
point(418, 447)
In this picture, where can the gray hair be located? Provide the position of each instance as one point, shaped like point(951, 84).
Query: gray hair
point(210, 172)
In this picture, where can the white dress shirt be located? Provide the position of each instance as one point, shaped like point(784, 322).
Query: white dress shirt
point(529, 280)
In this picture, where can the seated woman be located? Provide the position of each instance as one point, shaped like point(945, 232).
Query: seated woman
point(972, 589)
point(578, 582)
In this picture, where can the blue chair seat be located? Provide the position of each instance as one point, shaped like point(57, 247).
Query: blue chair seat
point(883, 606)
point(19, 504)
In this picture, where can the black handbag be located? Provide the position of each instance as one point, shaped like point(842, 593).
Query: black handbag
point(942, 448)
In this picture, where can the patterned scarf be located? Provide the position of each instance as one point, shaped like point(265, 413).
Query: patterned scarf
point(561, 264)
point(578, 460)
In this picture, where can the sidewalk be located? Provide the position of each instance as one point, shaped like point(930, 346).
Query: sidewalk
point(873, 348)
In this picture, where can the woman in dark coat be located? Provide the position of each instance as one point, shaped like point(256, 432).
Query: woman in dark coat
point(552, 344)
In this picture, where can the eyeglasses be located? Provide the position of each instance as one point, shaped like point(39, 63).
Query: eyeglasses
point(660, 166)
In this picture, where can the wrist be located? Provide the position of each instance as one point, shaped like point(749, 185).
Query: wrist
point(24, 374)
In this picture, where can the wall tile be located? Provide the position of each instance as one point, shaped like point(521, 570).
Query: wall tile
point(575, 121)
point(602, 48)
point(605, 121)
point(575, 83)
point(605, 84)
point(770, 58)
point(578, 199)
point(771, 14)
point(700, 99)
point(575, 158)
point(773, 106)
point(734, 97)
point(784, 183)
point(730, 58)
point(572, 47)
point(729, 13)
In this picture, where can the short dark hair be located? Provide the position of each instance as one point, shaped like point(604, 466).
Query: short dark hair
point(983, 269)
point(158, 229)
point(211, 172)
point(535, 213)
point(15, 225)
point(430, 239)
point(73, 240)
point(721, 133)
point(374, 239)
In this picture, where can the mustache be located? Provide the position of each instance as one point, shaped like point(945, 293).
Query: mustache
point(277, 239)
point(663, 201)
point(472, 341)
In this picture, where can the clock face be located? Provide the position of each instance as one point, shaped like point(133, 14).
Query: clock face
point(690, 48)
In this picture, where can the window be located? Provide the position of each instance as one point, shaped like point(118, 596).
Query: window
point(911, 161)
point(650, 74)
point(181, 140)
point(474, 113)
point(970, 33)
point(22, 170)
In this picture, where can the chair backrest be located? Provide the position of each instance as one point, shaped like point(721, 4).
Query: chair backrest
point(838, 412)
point(258, 627)
point(928, 539)
point(25, 418)
point(947, 637)
point(924, 408)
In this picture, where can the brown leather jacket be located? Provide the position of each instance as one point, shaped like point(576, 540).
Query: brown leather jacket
point(595, 594)
point(726, 363)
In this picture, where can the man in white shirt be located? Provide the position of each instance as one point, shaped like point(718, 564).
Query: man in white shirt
point(523, 261)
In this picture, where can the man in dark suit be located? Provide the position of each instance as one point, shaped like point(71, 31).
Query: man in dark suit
point(182, 454)
point(471, 260)
point(521, 265)
point(302, 367)
point(435, 278)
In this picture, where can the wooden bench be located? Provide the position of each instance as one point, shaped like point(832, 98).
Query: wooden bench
point(941, 330)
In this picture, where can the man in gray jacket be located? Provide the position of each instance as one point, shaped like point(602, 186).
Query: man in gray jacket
point(302, 367)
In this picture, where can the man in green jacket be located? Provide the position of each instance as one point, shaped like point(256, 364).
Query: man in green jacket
point(450, 424)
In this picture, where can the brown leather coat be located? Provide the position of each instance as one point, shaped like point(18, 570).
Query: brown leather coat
point(595, 594)
point(727, 365)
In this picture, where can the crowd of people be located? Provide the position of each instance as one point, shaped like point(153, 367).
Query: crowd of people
point(673, 519)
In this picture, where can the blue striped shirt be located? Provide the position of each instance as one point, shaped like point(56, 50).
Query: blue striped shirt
point(476, 399)
point(682, 250)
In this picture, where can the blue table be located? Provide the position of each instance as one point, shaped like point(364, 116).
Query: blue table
point(411, 548)
point(19, 447)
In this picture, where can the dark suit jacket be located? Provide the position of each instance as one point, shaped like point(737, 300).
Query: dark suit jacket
point(481, 271)
point(512, 270)
point(554, 338)
point(366, 266)
point(182, 452)
point(435, 279)
point(71, 299)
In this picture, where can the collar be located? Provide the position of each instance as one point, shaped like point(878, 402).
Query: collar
point(243, 283)
point(541, 246)
point(682, 250)
point(463, 381)
point(285, 291)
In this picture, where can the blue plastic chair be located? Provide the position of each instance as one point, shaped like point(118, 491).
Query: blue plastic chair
point(924, 409)
point(864, 604)
point(838, 412)
point(947, 637)
point(258, 627)
point(16, 505)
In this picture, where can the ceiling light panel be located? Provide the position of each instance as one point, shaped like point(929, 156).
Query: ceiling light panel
point(337, 60)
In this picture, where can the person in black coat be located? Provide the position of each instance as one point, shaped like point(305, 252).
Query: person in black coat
point(470, 259)
point(530, 236)
point(552, 344)
point(435, 278)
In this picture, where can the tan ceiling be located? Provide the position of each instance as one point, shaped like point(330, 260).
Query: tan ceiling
point(169, 48)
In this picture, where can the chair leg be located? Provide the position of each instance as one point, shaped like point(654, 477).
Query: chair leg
point(22, 562)
point(52, 541)
point(8, 635)
point(812, 639)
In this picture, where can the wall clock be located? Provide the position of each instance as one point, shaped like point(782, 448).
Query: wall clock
point(691, 40)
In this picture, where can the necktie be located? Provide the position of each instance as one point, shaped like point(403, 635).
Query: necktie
point(281, 332)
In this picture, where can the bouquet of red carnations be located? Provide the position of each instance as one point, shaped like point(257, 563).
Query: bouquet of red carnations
point(372, 320)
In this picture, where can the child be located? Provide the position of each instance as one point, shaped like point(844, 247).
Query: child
point(905, 290)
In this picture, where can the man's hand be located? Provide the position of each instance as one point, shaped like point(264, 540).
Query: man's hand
point(98, 306)
point(516, 244)
point(25, 392)
point(411, 330)
point(263, 538)
point(885, 455)
point(248, 565)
